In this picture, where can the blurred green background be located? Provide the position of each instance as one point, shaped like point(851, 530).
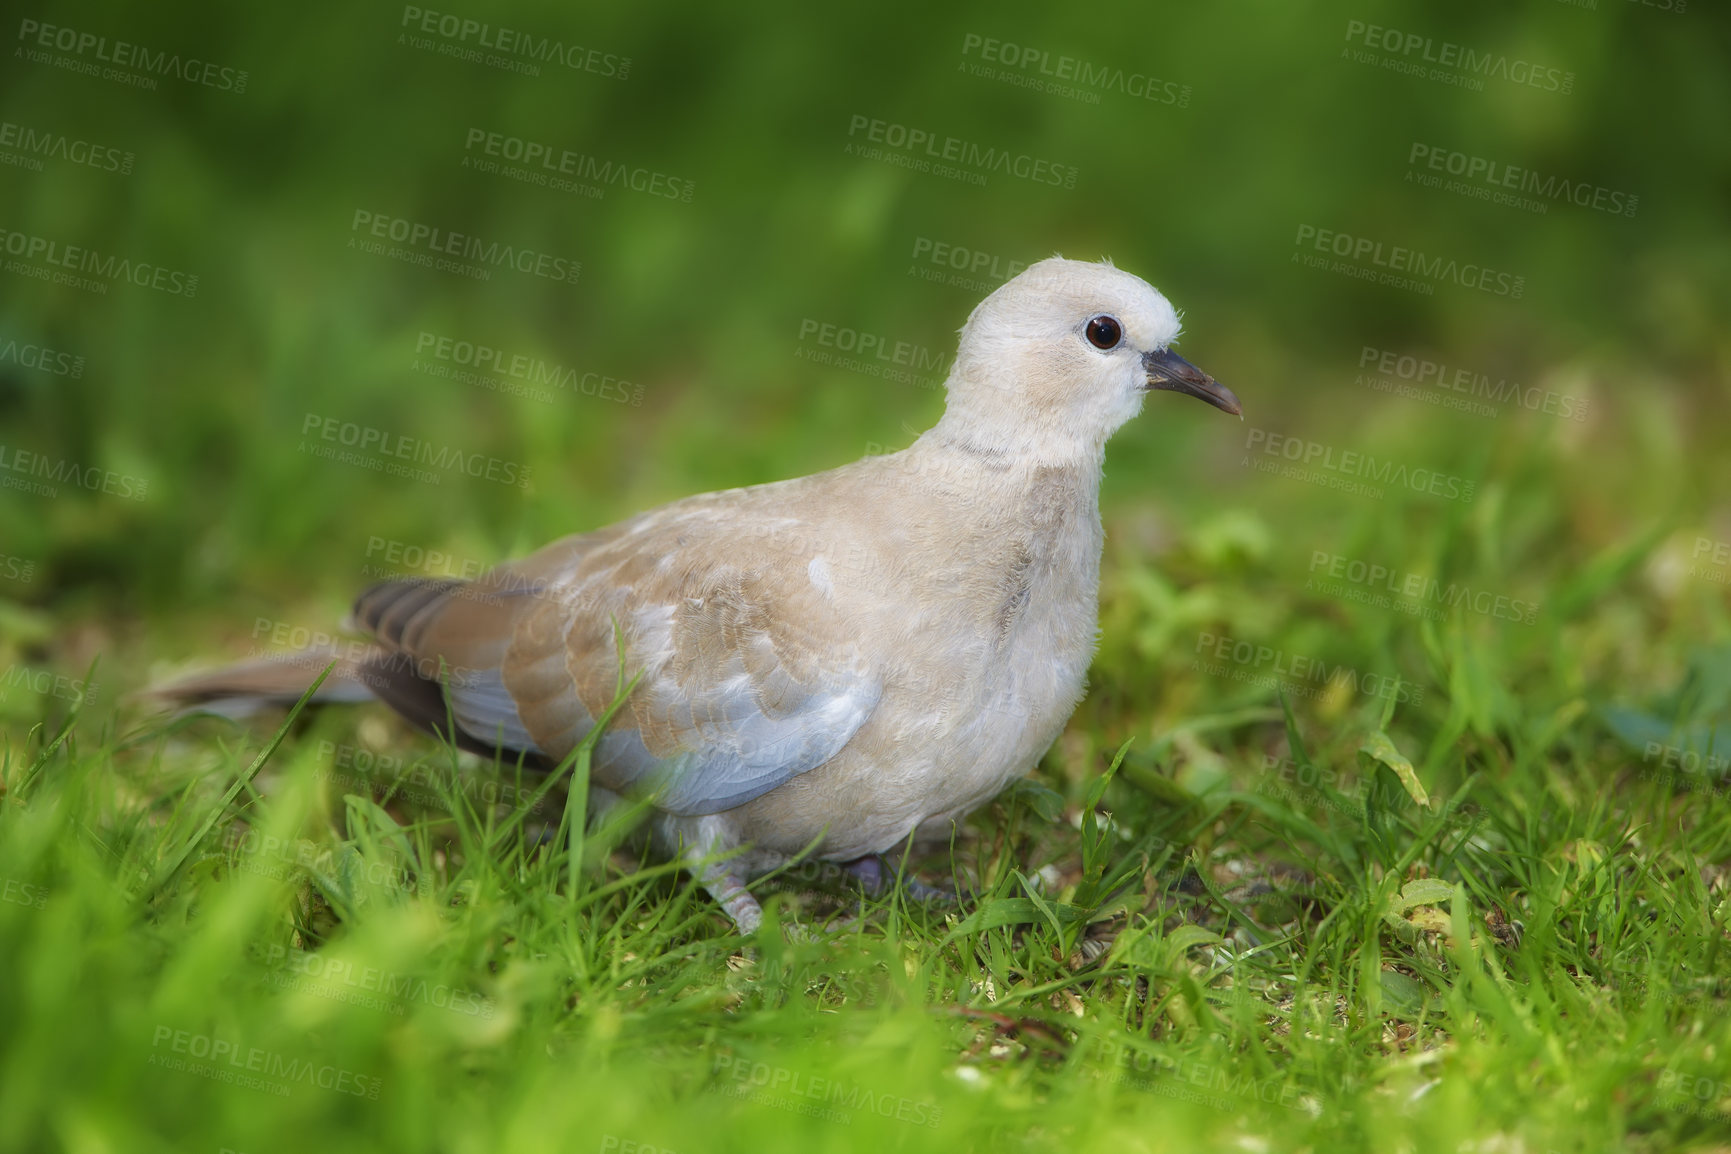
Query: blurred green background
point(700, 305)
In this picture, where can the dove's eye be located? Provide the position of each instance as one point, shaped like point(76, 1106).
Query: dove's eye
point(1104, 332)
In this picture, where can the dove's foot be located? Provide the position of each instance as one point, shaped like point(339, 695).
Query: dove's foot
point(735, 900)
point(871, 873)
point(875, 876)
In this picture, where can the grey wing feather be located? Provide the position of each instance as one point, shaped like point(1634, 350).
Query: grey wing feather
point(742, 751)
point(482, 706)
point(735, 699)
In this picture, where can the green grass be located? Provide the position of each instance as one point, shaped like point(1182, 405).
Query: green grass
point(1250, 936)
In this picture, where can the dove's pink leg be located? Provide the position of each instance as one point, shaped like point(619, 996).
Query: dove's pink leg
point(730, 892)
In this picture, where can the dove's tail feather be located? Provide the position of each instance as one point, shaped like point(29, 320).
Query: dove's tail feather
point(374, 674)
point(247, 687)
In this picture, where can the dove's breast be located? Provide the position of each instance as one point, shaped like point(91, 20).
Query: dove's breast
point(985, 638)
point(1035, 672)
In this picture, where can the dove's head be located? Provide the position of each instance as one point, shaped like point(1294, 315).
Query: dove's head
point(1060, 356)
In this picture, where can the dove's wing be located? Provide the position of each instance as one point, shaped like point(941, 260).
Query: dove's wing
point(749, 675)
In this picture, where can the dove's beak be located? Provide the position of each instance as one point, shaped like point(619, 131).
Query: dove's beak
point(1168, 370)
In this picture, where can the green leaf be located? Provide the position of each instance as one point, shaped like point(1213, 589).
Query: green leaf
point(1188, 936)
point(1424, 892)
point(1380, 749)
point(1015, 912)
point(1046, 803)
point(1402, 996)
